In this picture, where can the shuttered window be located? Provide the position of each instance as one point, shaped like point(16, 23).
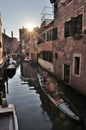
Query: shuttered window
point(73, 27)
point(56, 55)
point(49, 35)
point(54, 33)
point(0, 44)
point(47, 56)
point(68, 31)
point(79, 24)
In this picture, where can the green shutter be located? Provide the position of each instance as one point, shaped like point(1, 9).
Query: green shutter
point(73, 26)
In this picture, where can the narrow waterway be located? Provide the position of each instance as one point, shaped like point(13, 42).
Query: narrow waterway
point(33, 111)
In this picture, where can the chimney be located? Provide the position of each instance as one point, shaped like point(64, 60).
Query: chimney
point(12, 34)
point(4, 31)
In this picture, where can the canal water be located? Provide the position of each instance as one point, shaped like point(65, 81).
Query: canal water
point(33, 110)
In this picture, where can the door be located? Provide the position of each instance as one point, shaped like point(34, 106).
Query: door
point(67, 73)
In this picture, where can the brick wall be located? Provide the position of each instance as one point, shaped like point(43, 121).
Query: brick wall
point(67, 47)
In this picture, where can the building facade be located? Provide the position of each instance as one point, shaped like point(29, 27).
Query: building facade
point(28, 43)
point(69, 51)
point(45, 47)
point(24, 37)
point(10, 45)
point(45, 42)
point(1, 44)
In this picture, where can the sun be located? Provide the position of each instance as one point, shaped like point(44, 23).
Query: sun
point(30, 27)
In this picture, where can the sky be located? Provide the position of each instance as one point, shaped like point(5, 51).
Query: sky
point(16, 14)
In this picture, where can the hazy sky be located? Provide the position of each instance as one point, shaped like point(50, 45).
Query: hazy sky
point(18, 13)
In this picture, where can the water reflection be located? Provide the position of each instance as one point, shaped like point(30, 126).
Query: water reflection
point(28, 73)
point(59, 119)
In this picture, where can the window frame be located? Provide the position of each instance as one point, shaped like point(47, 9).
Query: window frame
point(76, 55)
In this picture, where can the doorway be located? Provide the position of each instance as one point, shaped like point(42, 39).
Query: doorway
point(67, 73)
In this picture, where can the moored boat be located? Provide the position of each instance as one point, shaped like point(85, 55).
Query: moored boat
point(11, 69)
point(8, 118)
point(59, 100)
point(12, 61)
point(26, 59)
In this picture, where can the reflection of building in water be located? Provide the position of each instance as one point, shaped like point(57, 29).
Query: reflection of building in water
point(60, 121)
point(27, 71)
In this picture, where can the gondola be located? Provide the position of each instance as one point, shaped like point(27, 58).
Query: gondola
point(60, 103)
point(8, 118)
point(11, 69)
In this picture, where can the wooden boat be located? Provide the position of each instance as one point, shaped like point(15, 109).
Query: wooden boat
point(11, 69)
point(8, 118)
point(11, 66)
point(61, 103)
point(26, 59)
point(29, 60)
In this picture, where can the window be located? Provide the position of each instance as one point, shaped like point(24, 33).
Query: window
point(69, 1)
point(56, 56)
point(79, 24)
point(42, 38)
point(49, 35)
point(67, 73)
point(76, 25)
point(54, 33)
point(0, 44)
point(73, 27)
point(68, 29)
point(47, 56)
point(77, 64)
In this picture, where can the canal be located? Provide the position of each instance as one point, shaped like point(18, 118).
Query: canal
point(33, 111)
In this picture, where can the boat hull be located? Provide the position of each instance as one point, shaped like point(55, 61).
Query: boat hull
point(11, 70)
point(60, 104)
point(8, 118)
